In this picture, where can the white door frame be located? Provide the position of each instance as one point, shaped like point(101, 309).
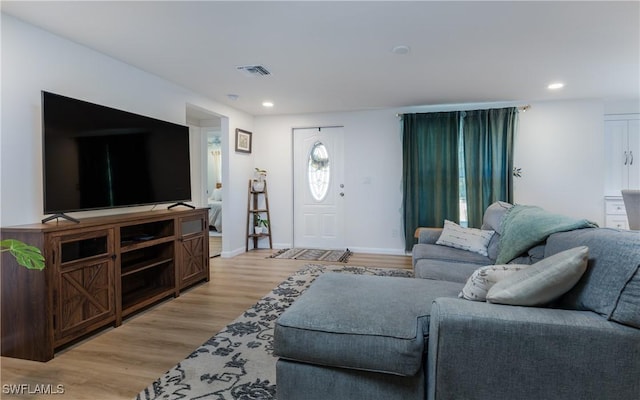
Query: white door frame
point(197, 116)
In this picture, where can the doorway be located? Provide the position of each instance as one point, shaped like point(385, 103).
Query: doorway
point(207, 129)
point(318, 188)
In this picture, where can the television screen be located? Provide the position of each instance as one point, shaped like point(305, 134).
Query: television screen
point(98, 157)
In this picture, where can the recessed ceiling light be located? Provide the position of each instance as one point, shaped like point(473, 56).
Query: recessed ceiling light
point(232, 97)
point(555, 86)
point(401, 49)
point(267, 104)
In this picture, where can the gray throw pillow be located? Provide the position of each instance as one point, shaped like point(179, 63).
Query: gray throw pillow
point(543, 281)
point(493, 215)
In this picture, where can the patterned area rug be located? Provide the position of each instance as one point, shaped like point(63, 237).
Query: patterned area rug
point(238, 362)
point(313, 255)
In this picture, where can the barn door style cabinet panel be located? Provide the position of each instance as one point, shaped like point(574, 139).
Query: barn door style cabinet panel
point(97, 272)
point(83, 282)
point(193, 250)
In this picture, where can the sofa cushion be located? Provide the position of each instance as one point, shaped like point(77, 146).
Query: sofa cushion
point(493, 247)
point(532, 256)
point(469, 239)
point(492, 221)
point(611, 284)
point(362, 322)
point(627, 310)
point(432, 261)
point(543, 281)
point(484, 278)
point(444, 270)
point(493, 215)
point(437, 252)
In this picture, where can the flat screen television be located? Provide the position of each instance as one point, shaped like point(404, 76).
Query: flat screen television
point(97, 157)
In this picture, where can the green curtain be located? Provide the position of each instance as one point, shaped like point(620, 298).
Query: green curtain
point(430, 171)
point(488, 159)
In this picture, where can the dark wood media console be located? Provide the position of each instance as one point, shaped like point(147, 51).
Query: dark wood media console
point(97, 272)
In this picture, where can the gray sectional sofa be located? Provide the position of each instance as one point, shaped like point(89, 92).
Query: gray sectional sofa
point(369, 337)
point(433, 261)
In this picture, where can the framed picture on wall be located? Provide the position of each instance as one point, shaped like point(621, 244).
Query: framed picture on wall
point(243, 141)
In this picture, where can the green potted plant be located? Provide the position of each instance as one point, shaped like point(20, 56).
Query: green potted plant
point(260, 224)
point(258, 182)
point(26, 255)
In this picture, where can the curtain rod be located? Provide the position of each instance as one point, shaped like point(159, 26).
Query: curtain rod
point(523, 108)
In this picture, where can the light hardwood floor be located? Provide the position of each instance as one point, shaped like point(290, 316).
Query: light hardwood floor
point(119, 362)
point(215, 246)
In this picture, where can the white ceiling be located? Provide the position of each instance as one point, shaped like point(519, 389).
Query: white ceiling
point(336, 56)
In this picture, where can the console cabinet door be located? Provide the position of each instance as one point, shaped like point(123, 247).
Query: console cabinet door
point(193, 262)
point(83, 294)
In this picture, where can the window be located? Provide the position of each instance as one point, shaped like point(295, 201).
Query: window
point(319, 171)
point(455, 164)
point(463, 216)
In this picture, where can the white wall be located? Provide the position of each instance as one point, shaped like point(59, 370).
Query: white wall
point(559, 147)
point(35, 60)
point(373, 175)
point(622, 107)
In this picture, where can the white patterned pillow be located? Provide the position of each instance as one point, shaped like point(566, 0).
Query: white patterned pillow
point(470, 239)
point(484, 278)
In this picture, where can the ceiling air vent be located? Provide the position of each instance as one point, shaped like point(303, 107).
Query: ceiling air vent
point(254, 70)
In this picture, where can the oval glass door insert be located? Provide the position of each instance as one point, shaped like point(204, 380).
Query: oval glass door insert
point(319, 171)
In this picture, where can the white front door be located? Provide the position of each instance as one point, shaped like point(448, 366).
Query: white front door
point(318, 181)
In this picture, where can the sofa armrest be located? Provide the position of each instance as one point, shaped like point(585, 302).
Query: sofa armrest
point(428, 235)
point(490, 351)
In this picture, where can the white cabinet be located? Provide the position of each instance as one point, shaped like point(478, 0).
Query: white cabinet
point(622, 168)
point(615, 213)
point(622, 146)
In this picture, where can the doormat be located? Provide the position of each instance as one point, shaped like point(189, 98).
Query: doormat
point(313, 255)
